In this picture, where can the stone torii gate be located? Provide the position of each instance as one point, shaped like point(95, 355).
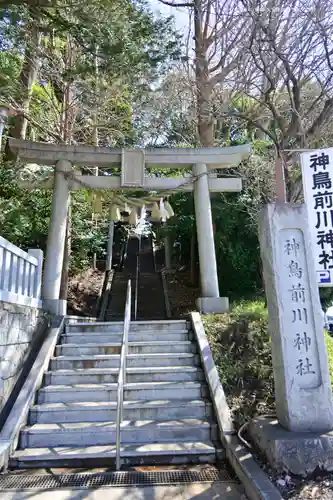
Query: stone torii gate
point(133, 164)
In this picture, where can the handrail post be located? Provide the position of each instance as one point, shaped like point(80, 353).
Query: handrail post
point(137, 279)
point(122, 373)
point(166, 296)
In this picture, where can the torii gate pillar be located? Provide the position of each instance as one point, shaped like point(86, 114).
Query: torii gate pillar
point(210, 302)
point(56, 240)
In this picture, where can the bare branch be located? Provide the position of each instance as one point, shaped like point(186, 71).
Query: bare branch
point(324, 115)
point(173, 4)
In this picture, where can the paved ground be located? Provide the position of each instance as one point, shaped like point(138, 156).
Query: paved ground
point(194, 491)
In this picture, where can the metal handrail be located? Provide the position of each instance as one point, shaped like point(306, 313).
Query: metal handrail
point(137, 280)
point(123, 253)
point(122, 372)
point(154, 252)
point(105, 295)
point(166, 295)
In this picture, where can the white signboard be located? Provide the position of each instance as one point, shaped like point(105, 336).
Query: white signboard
point(317, 172)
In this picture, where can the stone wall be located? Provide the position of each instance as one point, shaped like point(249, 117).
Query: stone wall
point(18, 325)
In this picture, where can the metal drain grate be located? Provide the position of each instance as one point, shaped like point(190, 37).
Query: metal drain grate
point(48, 481)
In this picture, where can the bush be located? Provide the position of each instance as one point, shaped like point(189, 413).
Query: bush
point(241, 349)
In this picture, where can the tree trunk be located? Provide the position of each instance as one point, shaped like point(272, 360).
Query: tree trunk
point(168, 251)
point(204, 115)
point(27, 79)
point(95, 137)
point(67, 131)
point(203, 85)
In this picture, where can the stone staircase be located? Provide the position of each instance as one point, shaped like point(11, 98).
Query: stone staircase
point(151, 302)
point(117, 299)
point(168, 417)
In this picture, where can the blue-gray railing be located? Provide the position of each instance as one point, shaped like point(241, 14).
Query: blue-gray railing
point(122, 374)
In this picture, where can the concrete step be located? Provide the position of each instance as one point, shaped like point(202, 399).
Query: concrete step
point(133, 347)
point(165, 390)
point(91, 338)
point(113, 360)
point(97, 327)
point(106, 338)
point(87, 361)
point(84, 349)
point(132, 392)
point(160, 359)
point(77, 393)
point(100, 456)
point(142, 314)
point(117, 326)
point(82, 376)
point(110, 375)
point(164, 374)
point(157, 346)
point(133, 410)
point(104, 433)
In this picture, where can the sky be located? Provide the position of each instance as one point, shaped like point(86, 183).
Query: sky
point(180, 14)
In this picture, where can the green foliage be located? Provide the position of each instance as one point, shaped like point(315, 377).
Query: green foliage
point(87, 237)
point(181, 133)
point(24, 215)
point(45, 109)
point(326, 297)
point(180, 227)
point(237, 248)
point(254, 310)
point(234, 215)
point(10, 66)
point(94, 62)
point(24, 219)
point(236, 241)
point(241, 350)
point(329, 345)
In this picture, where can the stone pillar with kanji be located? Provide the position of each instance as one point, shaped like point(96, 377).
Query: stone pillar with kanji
point(301, 373)
point(303, 395)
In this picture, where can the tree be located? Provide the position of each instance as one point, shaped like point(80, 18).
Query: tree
point(64, 102)
point(130, 44)
point(171, 112)
point(166, 115)
point(290, 51)
point(218, 28)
